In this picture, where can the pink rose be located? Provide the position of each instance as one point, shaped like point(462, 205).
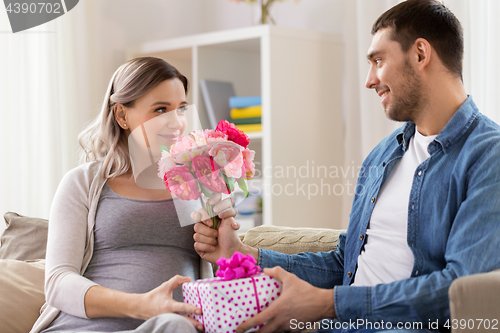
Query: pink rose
point(233, 133)
point(187, 156)
point(208, 175)
point(215, 135)
point(185, 143)
point(189, 146)
point(228, 156)
point(165, 163)
point(248, 156)
point(182, 183)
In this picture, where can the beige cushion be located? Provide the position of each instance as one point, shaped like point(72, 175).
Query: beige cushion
point(25, 238)
point(21, 290)
point(473, 298)
point(292, 240)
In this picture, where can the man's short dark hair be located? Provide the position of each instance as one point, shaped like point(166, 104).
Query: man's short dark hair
point(428, 19)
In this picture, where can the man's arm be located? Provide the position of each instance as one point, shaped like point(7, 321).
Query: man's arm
point(300, 300)
point(322, 269)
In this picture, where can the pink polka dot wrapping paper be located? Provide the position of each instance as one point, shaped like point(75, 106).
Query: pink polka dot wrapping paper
point(227, 304)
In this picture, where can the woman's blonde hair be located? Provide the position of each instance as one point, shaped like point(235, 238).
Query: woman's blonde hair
point(104, 139)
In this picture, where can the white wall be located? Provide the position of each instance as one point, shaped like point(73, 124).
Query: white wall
point(117, 24)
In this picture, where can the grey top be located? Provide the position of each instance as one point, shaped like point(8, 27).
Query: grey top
point(139, 244)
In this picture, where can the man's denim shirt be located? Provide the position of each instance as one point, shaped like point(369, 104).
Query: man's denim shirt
point(453, 224)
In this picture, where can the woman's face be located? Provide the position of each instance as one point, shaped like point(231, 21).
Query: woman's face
point(168, 100)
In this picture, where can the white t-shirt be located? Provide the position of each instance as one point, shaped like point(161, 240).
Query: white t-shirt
point(386, 256)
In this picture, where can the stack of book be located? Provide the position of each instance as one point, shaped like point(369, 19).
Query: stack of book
point(246, 113)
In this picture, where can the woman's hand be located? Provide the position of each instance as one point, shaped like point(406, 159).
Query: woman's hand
point(104, 302)
point(159, 300)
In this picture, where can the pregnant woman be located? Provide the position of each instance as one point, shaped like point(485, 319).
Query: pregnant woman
point(116, 252)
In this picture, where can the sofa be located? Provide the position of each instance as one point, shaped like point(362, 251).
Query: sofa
point(22, 253)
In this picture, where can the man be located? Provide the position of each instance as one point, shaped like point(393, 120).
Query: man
point(430, 215)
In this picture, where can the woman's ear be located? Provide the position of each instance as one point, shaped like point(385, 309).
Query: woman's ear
point(120, 115)
point(423, 52)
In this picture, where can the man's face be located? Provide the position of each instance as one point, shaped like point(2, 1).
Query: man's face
point(393, 78)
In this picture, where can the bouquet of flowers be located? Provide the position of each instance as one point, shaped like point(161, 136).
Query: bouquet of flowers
point(206, 162)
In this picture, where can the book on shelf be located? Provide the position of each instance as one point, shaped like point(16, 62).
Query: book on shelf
point(245, 121)
point(216, 96)
point(250, 127)
point(237, 102)
point(248, 112)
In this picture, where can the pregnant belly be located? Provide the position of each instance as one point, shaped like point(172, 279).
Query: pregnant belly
point(141, 269)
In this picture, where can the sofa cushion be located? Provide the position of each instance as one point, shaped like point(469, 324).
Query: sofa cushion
point(21, 290)
point(475, 297)
point(292, 240)
point(25, 238)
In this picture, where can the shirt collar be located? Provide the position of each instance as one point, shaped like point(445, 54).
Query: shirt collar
point(451, 133)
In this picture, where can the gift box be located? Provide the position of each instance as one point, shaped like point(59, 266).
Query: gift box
point(228, 303)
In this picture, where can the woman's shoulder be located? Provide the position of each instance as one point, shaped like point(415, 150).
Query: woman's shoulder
point(84, 173)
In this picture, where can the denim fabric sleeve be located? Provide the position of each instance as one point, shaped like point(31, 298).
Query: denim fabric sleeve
point(322, 269)
point(472, 246)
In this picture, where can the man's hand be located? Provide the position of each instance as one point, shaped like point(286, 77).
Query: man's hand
point(299, 300)
point(224, 209)
point(206, 238)
point(212, 244)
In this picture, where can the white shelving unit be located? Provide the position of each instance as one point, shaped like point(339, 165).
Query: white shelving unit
point(299, 76)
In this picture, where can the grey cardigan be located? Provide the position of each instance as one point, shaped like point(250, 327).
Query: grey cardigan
point(71, 225)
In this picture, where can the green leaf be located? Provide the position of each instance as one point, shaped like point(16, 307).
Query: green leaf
point(243, 185)
point(230, 181)
point(164, 148)
point(206, 192)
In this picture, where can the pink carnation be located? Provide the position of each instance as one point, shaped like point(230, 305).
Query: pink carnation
point(185, 143)
point(165, 163)
point(248, 156)
point(189, 146)
point(211, 134)
point(182, 183)
point(228, 156)
point(233, 133)
point(208, 174)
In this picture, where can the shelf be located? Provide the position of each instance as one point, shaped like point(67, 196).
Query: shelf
point(254, 135)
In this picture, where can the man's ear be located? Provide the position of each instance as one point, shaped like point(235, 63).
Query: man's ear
point(120, 115)
point(423, 52)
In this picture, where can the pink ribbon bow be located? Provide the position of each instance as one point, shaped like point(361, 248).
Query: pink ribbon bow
point(238, 266)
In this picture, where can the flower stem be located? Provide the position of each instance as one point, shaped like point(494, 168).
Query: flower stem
point(265, 5)
point(215, 218)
